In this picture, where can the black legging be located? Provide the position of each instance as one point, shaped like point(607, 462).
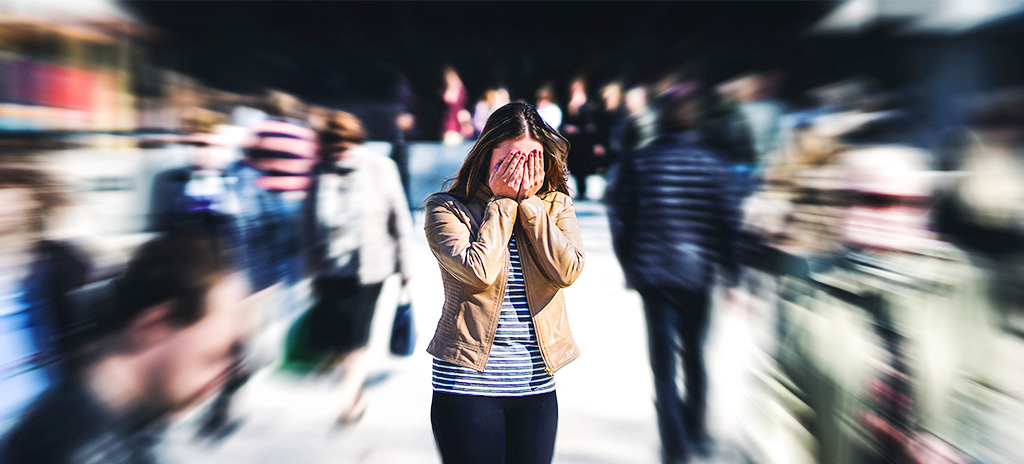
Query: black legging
point(494, 430)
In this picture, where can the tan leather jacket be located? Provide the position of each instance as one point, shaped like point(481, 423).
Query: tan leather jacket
point(470, 241)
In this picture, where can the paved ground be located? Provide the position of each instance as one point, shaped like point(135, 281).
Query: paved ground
point(288, 419)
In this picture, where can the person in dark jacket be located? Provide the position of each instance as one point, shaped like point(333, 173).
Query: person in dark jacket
point(673, 222)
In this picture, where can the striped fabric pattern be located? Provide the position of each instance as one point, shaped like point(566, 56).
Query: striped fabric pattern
point(515, 366)
point(285, 152)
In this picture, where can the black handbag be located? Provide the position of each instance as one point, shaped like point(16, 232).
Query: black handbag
point(403, 331)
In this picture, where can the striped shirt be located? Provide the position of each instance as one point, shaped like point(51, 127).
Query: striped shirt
point(515, 366)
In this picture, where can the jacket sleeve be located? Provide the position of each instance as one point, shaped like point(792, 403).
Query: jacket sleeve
point(400, 221)
point(555, 242)
point(620, 198)
point(475, 261)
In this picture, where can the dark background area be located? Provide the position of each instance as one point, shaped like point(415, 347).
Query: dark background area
point(337, 52)
point(342, 54)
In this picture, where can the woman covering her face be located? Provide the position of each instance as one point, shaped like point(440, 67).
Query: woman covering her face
point(506, 238)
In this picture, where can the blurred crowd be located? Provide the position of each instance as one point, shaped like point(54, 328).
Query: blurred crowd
point(228, 242)
point(875, 268)
point(879, 263)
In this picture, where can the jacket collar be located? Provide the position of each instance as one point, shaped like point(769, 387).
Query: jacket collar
point(483, 194)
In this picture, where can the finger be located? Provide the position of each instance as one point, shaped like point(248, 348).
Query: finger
point(503, 164)
point(497, 170)
point(534, 162)
point(510, 176)
point(509, 166)
point(517, 161)
point(521, 161)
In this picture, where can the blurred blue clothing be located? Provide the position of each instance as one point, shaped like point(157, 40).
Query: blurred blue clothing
point(269, 228)
point(194, 200)
point(673, 213)
point(291, 265)
point(745, 180)
point(29, 357)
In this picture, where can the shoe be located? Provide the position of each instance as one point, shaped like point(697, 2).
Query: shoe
point(703, 447)
point(353, 414)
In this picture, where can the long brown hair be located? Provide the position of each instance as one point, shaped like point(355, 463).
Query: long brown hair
point(512, 122)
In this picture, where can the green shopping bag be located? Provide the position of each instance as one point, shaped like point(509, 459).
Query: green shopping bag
point(300, 356)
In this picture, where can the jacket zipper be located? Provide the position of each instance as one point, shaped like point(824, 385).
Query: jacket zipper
point(526, 283)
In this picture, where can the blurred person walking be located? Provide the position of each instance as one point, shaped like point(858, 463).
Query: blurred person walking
point(456, 122)
point(672, 222)
point(763, 111)
point(267, 191)
point(400, 150)
point(547, 108)
point(270, 185)
point(920, 303)
point(610, 123)
point(405, 128)
point(39, 331)
point(195, 198)
point(641, 122)
point(507, 241)
point(580, 128)
point(170, 339)
point(493, 99)
point(358, 225)
point(758, 113)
